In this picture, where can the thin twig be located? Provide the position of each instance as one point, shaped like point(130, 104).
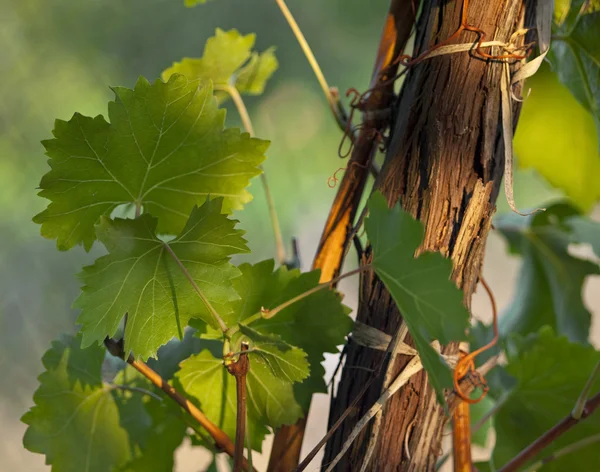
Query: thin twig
point(332, 99)
point(222, 441)
point(585, 393)
point(239, 370)
point(564, 451)
point(188, 276)
point(247, 122)
point(550, 436)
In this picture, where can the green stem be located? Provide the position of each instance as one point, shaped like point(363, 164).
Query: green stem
point(268, 314)
point(564, 451)
point(585, 393)
point(188, 276)
point(245, 117)
point(334, 101)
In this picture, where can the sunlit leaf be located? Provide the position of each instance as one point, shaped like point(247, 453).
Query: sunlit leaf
point(430, 303)
point(550, 283)
point(556, 137)
point(228, 59)
point(550, 373)
point(141, 278)
point(164, 150)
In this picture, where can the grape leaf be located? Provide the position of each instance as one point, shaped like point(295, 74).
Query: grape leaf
point(139, 277)
point(319, 323)
point(550, 373)
point(164, 149)
point(428, 300)
point(223, 63)
point(550, 282)
point(284, 361)
point(75, 420)
point(270, 400)
point(575, 54)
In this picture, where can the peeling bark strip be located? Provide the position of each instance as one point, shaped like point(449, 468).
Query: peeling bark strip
point(445, 164)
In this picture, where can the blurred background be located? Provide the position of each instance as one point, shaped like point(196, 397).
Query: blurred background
point(60, 57)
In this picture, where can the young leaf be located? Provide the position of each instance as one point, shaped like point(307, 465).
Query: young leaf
point(193, 3)
point(75, 421)
point(270, 400)
point(551, 280)
point(478, 411)
point(429, 301)
point(223, 63)
point(575, 54)
point(140, 277)
point(550, 373)
point(319, 323)
point(285, 361)
point(164, 149)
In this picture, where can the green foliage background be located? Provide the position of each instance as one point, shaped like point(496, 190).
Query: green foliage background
point(58, 57)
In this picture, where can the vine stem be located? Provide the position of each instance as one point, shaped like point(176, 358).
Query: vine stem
point(550, 436)
point(564, 451)
point(247, 122)
point(333, 100)
point(239, 370)
point(221, 439)
point(211, 309)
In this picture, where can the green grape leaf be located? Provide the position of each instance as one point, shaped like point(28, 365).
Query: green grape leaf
point(141, 278)
point(253, 77)
point(429, 301)
point(550, 373)
point(575, 54)
point(175, 351)
point(550, 283)
point(164, 150)
point(285, 361)
point(228, 60)
point(319, 323)
point(75, 421)
point(270, 400)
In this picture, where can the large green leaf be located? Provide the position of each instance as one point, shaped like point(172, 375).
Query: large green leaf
point(550, 373)
point(140, 277)
point(549, 287)
point(284, 361)
point(164, 150)
point(75, 421)
point(429, 301)
point(318, 323)
point(575, 54)
point(223, 63)
point(270, 400)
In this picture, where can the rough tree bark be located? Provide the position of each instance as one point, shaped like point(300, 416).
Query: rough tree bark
point(445, 163)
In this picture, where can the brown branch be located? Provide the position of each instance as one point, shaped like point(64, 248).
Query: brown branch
point(239, 370)
point(222, 441)
point(334, 241)
point(550, 436)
